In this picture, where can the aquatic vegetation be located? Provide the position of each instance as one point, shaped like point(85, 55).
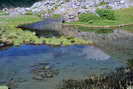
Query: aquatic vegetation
point(122, 78)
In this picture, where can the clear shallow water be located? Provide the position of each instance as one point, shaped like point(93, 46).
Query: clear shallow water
point(113, 48)
point(76, 62)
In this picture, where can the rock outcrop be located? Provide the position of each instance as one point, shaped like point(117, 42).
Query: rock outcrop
point(69, 9)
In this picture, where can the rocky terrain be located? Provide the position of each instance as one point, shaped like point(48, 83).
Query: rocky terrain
point(69, 9)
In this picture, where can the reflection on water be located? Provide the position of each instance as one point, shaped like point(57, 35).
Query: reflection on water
point(91, 53)
point(75, 62)
point(96, 30)
point(116, 42)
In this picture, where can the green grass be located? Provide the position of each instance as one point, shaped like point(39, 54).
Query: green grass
point(14, 21)
point(9, 34)
point(122, 16)
point(17, 37)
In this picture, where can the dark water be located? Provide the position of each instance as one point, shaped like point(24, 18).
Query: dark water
point(112, 50)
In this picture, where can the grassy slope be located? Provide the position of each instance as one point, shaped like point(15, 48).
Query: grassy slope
point(123, 16)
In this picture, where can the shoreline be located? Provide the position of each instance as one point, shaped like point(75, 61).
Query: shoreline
point(89, 26)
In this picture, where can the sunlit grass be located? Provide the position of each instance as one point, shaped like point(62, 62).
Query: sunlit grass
point(123, 16)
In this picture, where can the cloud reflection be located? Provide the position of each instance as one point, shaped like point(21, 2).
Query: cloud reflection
point(92, 52)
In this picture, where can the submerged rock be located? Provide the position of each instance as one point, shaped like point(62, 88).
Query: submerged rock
point(43, 71)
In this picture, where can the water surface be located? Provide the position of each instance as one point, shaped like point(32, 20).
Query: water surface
point(112, 50)
point(76, 62)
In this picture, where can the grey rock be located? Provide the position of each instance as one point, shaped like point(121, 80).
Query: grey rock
point(69, 9)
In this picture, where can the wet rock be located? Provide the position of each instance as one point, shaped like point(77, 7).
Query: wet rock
point(43, 71)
